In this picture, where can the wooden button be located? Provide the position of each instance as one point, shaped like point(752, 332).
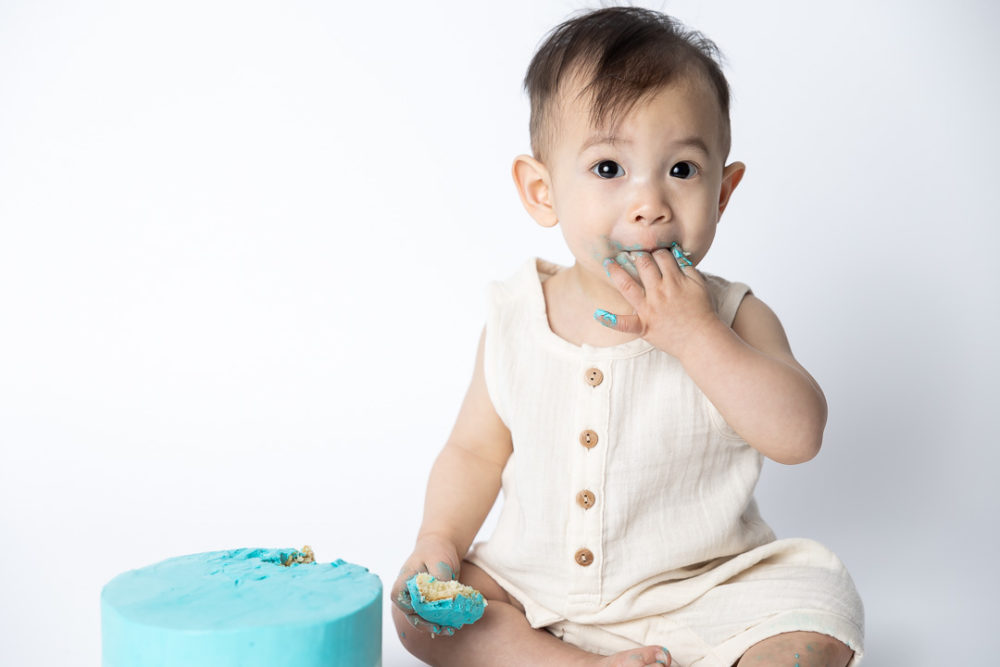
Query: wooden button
point(594, 376)
point(584, 557)
point(588, 439)
point(585, 499)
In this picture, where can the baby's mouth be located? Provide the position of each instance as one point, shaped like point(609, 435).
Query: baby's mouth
point(627, 259)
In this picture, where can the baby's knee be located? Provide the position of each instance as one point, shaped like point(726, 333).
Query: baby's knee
point(809, 649)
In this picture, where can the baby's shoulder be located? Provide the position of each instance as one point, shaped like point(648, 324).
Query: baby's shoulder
point(532, 271)
point(523, 288)
point(727, 295)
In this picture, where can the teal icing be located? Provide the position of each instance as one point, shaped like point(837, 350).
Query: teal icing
point(454, 612)
point(446, 569)
point(605, 318)
point(623, 256)
point(625, 261)
point(680, 255)
point(242, 608)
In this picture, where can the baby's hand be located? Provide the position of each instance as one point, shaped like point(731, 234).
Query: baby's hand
point(437, 557)
point(672, 304)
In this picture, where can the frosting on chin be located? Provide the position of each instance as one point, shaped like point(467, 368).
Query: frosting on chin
point(242, 608)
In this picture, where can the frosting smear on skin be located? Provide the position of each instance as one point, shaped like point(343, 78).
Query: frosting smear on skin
point(243, 608)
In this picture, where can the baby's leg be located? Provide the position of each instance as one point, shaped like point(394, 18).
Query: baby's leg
point(503, 637)
point(802, 649)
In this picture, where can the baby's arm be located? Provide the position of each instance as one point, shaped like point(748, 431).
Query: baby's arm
point(750, 375)
point(747, 371)
point(464, 483)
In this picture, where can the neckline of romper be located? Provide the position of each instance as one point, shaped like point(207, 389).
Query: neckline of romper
point(532, 274)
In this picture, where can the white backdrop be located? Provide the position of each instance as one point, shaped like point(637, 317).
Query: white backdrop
point(244, 248)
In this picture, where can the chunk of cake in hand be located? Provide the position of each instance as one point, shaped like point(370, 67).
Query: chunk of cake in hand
point(447, 603)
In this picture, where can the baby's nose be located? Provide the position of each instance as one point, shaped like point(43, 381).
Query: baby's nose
point(651, 213)
point(650, 217)
point(649, 205)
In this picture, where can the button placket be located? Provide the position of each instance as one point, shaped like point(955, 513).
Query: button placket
point(587, 530)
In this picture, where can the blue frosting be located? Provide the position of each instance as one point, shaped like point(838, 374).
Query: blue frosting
point(605, 318)
point(453, 612)
point(242, 608)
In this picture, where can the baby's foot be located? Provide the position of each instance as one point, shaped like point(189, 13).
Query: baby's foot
point(653, 656)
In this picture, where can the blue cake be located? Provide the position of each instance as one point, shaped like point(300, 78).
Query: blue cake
point(243, 608)
point(447, 603)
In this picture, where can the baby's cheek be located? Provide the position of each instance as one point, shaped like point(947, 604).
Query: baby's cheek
point(604, 249)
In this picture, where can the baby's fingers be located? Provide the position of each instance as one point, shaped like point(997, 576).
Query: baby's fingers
point(433, 628)
point(400, 593)
point(443, 571)
point(626, 284)
point(402, 600)
point(630, 324)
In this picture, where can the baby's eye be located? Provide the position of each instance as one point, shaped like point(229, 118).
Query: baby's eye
point(608, 169)
point(683, 170)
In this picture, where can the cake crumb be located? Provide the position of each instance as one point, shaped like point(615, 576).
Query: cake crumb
point(299, 557)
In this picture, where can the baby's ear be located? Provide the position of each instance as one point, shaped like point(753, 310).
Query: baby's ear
point(534, 185)
point(731, 177)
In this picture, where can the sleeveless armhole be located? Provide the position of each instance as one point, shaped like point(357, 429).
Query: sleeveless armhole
point(511, 305)
point(727, 295)
point(495, 295)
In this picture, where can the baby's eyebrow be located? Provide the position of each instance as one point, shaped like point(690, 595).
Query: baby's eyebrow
point(598, 139)
point(693, 142)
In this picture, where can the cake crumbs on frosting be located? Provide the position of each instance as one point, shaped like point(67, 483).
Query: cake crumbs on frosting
point(433, 589)
point(300, 557)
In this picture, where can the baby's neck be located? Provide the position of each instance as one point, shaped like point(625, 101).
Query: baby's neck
point(570, 302)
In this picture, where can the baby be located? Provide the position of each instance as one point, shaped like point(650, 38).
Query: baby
point(624, 404)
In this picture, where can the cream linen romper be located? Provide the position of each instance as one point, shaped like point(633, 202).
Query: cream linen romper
point(628, 515)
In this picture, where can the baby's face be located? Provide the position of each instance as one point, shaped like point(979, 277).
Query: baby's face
point(654, 180)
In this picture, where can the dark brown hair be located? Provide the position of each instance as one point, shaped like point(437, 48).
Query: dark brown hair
point(627, 53)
